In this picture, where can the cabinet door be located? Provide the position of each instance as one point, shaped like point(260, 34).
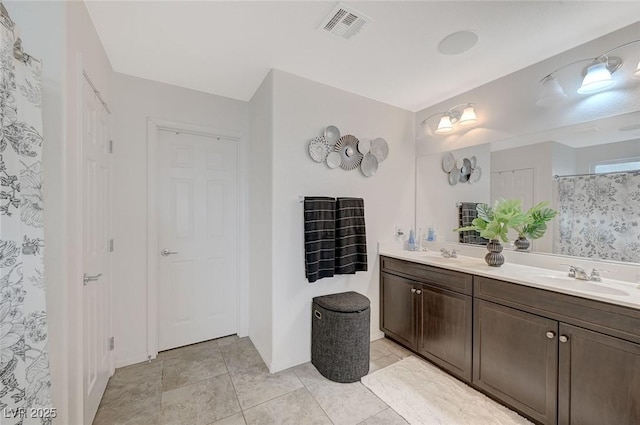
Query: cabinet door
point(397, 314)
point(599, 379)
point(445, 329)
point(516, 359)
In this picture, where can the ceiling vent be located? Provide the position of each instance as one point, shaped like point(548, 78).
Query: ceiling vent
point(344, 21)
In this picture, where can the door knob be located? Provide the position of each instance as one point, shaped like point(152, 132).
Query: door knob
point(165, 252)
point(87, 278)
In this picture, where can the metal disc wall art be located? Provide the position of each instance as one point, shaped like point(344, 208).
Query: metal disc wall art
point(318, 149)
point(463, 170)
point(379, 149)
point(347, 146)
point(348, 152)
point(369, 165)
point(332, 134)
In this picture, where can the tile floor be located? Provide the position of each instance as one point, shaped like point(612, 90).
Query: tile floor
point(225, 382)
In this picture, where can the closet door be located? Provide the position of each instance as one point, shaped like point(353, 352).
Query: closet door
point(96, 290)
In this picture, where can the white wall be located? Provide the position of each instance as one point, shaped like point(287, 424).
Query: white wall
point(585, 157)
point(302, 109)
point(436, 200)
point(41, 26)
point(260, 218)
point(134, 100)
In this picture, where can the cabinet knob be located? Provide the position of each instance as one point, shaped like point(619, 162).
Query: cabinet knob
point(413, 290)
point(563, 338)
point(551, 334)
point(419, 291)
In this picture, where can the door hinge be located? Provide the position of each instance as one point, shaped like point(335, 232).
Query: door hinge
point(110, 245)
point(112, 343)
point(110, 146)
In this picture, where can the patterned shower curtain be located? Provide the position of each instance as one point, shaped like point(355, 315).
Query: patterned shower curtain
point(599, 216)
point(24, 364)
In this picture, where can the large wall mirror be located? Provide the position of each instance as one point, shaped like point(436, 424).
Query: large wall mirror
point(581, 154)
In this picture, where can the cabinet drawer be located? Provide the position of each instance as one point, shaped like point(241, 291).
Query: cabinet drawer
point(448, 279)
point(599, 316)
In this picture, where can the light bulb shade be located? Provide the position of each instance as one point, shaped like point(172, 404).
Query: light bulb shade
point(468, 116)
point(445, 126)
point(598, 78)
point(637, 73)
point(551, 92)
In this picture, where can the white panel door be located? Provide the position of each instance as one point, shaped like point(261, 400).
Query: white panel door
point(197, 238)
point(96, 292)
point(514, 184)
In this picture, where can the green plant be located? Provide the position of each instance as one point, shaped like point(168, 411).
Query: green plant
point(495, 222)
point(536, 224)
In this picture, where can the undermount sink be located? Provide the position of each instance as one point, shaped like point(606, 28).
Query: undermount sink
point(583, 285)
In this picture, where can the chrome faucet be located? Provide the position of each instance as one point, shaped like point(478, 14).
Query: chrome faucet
point(580, 274)
point(595, 275)
point(449, 254)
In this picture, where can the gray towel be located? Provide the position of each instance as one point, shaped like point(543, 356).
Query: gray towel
point(351, 236)
point(466, 214)
point(319, 237)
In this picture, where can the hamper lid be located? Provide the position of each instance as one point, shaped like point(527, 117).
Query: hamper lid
point(343, 302)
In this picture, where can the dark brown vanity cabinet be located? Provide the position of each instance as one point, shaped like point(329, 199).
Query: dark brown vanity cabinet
point(516, 358)
point(398, 308)
point(547, 355)
point(556, 358)
point(445, 327)
point(599, 379)
point(429, 310)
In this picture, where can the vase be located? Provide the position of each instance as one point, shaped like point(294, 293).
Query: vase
point(494, 258)
point(522, 244)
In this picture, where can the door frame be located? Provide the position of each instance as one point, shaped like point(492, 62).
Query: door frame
point(153, 126)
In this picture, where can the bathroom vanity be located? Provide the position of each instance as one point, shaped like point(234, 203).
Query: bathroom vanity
point(557, 350)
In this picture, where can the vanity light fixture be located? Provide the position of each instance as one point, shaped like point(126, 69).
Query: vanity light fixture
point(445, 125)
point(463, 115)
point(597, 76)
point(551, 92)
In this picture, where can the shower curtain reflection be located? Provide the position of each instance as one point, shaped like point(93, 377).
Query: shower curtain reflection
point(598, 216)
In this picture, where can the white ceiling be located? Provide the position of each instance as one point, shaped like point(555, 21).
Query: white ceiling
point(227, 48)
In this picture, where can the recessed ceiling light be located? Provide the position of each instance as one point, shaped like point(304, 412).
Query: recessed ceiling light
point(457, 42)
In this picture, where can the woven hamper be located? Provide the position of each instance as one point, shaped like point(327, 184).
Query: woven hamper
point(340, 336)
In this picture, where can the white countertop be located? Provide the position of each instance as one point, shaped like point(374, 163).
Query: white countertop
point(609, 290)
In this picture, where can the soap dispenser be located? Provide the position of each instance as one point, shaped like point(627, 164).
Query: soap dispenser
point(431, 235)
point(412, 240)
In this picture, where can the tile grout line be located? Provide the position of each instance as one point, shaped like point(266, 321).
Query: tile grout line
point(318, 404)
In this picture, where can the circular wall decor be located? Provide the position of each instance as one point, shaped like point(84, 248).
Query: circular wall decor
point(318, 149)
point(333, 160)
point(379, 149)
point(331, 134)
point(448, 162)
point(369, 165)
point(347, 146)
